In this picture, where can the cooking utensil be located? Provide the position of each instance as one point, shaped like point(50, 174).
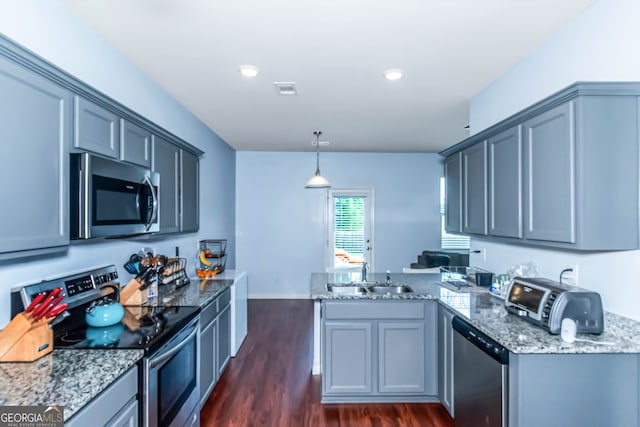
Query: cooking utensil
point(47, 310)
point(58, 309)
point(105, 311)
point(59, 318)
point(37, 312)
point(37, 300)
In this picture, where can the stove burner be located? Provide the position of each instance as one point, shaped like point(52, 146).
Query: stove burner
point(73, 337)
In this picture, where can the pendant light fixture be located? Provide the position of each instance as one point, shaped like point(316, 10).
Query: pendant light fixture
point(317, 180)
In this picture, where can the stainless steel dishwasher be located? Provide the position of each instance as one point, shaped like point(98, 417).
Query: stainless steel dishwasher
point(480, 373)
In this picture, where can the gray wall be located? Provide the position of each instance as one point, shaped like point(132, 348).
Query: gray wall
point(51, 31)
point(281, 226)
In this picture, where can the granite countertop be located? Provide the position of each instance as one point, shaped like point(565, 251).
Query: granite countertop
point(71, 378)
point(488, 314)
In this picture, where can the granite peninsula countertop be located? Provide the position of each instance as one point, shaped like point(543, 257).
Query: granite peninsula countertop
point(71, 378)
point(488, 314)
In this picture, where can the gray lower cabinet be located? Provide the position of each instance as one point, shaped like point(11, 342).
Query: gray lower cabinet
point(96, 129)
point(135, 144)
point(224, 339)
point(574, 390)
point(505, 183)
point(166, 161)
point(445, 358)
point(116, 406)
point(215, 343)
point(36, 132)
point(474, 189)
point(453, 193)
point(378, 351)
point(189, 192)
point(348, 353)
point(401, 345)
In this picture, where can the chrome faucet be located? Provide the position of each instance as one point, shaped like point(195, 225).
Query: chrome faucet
point(363, 275)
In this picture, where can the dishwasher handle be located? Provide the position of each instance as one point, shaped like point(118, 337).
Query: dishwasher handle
point(479, 339)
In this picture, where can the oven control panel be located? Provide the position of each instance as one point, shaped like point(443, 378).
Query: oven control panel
point(78, 288)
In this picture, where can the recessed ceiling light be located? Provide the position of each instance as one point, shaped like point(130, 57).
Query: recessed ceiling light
point(393, 74)
point(248, 70)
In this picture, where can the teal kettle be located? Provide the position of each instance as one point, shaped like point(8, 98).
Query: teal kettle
point(105, 311)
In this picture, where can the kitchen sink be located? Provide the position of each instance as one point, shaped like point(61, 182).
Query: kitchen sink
point(346, 289)
point(389, 289)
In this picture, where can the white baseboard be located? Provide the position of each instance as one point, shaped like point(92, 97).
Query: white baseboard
point(279, 296)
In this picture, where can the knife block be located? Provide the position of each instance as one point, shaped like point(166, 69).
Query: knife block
point(23, 341)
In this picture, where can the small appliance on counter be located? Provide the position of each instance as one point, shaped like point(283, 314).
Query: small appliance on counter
point(545, 303)
point(461, 277)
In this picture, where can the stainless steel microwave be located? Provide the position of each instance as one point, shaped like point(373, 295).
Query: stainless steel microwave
point(112, 199)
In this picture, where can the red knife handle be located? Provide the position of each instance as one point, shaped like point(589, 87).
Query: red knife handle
point(36, 301)
point(57, 310)
point(42, 307)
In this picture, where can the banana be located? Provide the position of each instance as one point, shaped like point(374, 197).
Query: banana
point(203, 259)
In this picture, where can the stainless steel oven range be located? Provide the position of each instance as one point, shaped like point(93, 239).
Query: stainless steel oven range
point(168, 335)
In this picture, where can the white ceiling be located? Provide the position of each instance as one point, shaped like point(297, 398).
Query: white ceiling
point(335, 51)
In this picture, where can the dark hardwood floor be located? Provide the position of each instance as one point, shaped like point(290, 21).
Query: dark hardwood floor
point(269, 382)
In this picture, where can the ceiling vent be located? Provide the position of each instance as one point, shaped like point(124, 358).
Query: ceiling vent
point(286, 88)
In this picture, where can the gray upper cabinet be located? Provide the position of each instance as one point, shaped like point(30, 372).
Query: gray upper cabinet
point(549, 176)
point(562, 173)
point(505, 183)
point(96, 129)
point(474, 189)
point(135, 144)
point(453, 193)
point(36, 132)
point(166, 161)
point(189, 191)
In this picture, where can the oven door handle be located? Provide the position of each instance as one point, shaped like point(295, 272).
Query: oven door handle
point(166, 356)
point(154, 212)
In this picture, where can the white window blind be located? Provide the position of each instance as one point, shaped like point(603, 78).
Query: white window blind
point(349, 230)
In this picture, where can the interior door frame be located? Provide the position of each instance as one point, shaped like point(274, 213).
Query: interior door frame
point(368, 194)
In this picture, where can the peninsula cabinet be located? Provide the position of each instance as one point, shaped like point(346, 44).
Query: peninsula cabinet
point(379, 351)
point(562, 173)
point(36, 132)
point(445, 358)
point(96, 129)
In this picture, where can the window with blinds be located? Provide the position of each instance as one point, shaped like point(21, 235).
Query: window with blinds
point(348, 230)
point(448, 240)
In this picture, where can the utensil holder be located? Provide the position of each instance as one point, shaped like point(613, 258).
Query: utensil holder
point(24, 341)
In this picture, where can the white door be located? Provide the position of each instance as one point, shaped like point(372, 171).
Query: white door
point(350, 231)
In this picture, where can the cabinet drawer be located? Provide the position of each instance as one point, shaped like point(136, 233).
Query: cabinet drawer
point(374, 310)
point(224, 299)
point(209, 313)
